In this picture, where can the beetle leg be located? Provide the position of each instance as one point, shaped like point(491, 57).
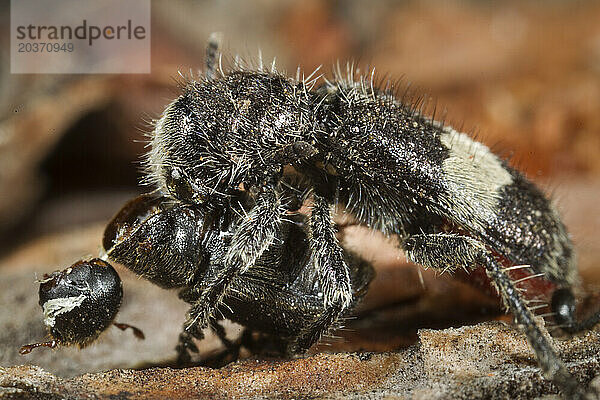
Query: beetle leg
point(437, 250)
point(218, 329)
point(328, 269)
point(254, 234)
point(186, 346)
point(443, 251)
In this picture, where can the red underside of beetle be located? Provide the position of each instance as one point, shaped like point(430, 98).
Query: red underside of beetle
point(531, 287)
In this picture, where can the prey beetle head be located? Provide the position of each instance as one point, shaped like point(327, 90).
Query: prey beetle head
point(81, 301)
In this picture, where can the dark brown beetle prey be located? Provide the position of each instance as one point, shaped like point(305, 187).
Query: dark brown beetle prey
point(237, 153)
point(178, 245)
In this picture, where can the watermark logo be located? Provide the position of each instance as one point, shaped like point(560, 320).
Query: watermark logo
point(80, 36)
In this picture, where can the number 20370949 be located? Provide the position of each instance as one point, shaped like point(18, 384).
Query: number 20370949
point(48, 47)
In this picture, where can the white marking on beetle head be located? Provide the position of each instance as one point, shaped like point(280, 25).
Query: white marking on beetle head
point(44, 280)
point(55, 307)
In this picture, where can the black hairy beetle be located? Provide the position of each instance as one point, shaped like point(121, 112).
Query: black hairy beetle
point(452, 203)
point(232, 150)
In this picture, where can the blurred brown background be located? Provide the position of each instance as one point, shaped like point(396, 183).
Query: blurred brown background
point(523, 76)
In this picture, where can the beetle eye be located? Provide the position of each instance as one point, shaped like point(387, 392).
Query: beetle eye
point(178, 186)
